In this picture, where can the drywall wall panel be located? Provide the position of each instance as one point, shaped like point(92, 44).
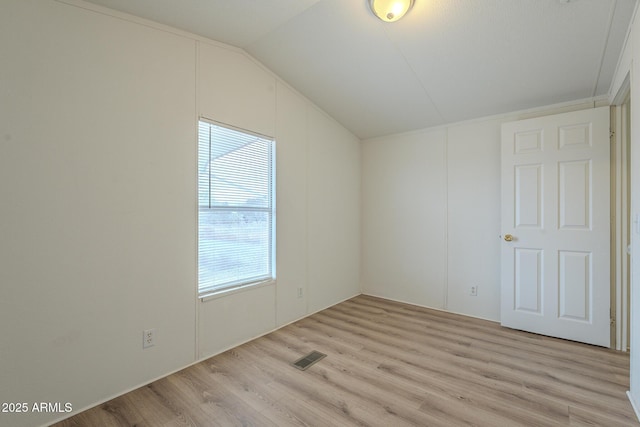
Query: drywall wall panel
point(233, 89)
point(473, 197)
point(333, 212)
point(291, 195)
point(97, 237)
point(404, 219)
point(318, 233)
point(231, 320)
point(634, 39)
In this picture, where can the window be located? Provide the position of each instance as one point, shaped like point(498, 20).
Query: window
point(235, 208)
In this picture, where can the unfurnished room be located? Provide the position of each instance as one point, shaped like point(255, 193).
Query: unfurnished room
point(319, 213)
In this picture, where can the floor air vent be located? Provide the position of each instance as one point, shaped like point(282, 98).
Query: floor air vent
point(304, 362)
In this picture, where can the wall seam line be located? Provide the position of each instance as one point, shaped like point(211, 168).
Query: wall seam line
point(446, 220)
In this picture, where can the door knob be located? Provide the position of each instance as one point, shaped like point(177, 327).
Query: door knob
point(508, 238)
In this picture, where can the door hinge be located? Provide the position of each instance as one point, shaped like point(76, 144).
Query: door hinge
point(612, 320)
point(612, 133)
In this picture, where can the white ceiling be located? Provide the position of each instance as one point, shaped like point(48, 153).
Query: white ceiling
point(446, 61)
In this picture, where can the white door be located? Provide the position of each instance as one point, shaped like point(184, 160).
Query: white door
point(555, 226)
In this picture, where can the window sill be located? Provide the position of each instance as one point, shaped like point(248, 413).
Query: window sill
point(226, 292)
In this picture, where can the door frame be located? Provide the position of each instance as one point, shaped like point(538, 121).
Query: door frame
point(620, 218)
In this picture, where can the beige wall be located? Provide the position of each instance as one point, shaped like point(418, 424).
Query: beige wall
point(404, 217)
point(98, 216)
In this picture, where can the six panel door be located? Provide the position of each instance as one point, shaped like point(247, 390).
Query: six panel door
point(555, 207)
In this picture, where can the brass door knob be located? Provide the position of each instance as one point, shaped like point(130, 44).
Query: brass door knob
point(508, 238)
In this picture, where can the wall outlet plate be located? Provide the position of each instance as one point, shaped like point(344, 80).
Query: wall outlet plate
point(148, 338)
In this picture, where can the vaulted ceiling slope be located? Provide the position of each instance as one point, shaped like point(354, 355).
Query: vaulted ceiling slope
point(446, 61)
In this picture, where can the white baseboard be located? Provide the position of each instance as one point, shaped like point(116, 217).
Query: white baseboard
point(633, 405)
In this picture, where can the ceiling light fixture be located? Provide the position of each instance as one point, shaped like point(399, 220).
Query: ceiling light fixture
point(390, 10)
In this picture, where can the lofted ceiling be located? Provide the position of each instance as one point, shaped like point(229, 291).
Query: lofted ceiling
point(446, 61)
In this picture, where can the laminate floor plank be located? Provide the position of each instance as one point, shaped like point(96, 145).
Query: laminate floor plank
point(523, 364)
point(493, 334)
point(471, 327)
point(361, 384)
point(578, 389)
point(330, 388)
point(387, 364)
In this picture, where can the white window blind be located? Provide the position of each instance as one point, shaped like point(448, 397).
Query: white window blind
point(236, 208)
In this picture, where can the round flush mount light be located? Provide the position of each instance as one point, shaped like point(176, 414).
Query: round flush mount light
point(390, 10)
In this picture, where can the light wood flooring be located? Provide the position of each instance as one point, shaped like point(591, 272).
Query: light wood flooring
point(387, 364)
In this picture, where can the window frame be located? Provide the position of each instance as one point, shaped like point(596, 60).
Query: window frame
point(214, 291)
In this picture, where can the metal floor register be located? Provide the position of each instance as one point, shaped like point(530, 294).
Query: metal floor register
point(306, 361)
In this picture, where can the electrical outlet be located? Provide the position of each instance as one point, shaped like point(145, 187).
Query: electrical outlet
point(300, 293)
point(474, 291)
point(148, 338)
